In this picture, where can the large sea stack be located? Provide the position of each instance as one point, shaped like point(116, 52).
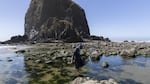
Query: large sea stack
point(56, 20)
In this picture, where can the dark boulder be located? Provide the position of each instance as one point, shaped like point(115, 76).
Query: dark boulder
point(17, 39)
point(101, 38)
point(125, 41)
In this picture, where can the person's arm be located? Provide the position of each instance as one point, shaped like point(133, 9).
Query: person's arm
point(72, 59)
point(74, 53)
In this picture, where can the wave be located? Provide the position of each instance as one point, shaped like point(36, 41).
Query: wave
point(6, 46)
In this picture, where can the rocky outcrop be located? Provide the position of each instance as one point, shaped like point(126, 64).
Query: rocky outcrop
point(125, 49)
point(56, 20)
point(99, 38)
point(42, 58)
point(16, 39)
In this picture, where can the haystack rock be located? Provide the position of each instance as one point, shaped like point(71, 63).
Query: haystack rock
point(56, 20)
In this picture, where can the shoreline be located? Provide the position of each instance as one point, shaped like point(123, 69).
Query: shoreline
point(52, 60)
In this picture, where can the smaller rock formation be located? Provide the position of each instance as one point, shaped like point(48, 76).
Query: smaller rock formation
point(17, 39)
point(100, 38)
point(125, 41)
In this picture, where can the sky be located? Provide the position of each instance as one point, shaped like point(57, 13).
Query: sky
point(116, 19)
point(12, 18)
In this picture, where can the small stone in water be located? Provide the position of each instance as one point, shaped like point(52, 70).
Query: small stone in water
point(9, 60)
point(105, 65)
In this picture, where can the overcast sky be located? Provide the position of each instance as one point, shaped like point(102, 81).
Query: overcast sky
point(117, 19)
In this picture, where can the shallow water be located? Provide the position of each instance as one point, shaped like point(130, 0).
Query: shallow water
point(12, 66)
point(125, 71)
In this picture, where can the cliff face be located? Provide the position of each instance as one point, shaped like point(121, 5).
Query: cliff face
point(56, 19)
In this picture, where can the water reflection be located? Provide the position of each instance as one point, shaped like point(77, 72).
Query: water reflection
point(131, 71)
point(126, 71)
point(12, 67)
